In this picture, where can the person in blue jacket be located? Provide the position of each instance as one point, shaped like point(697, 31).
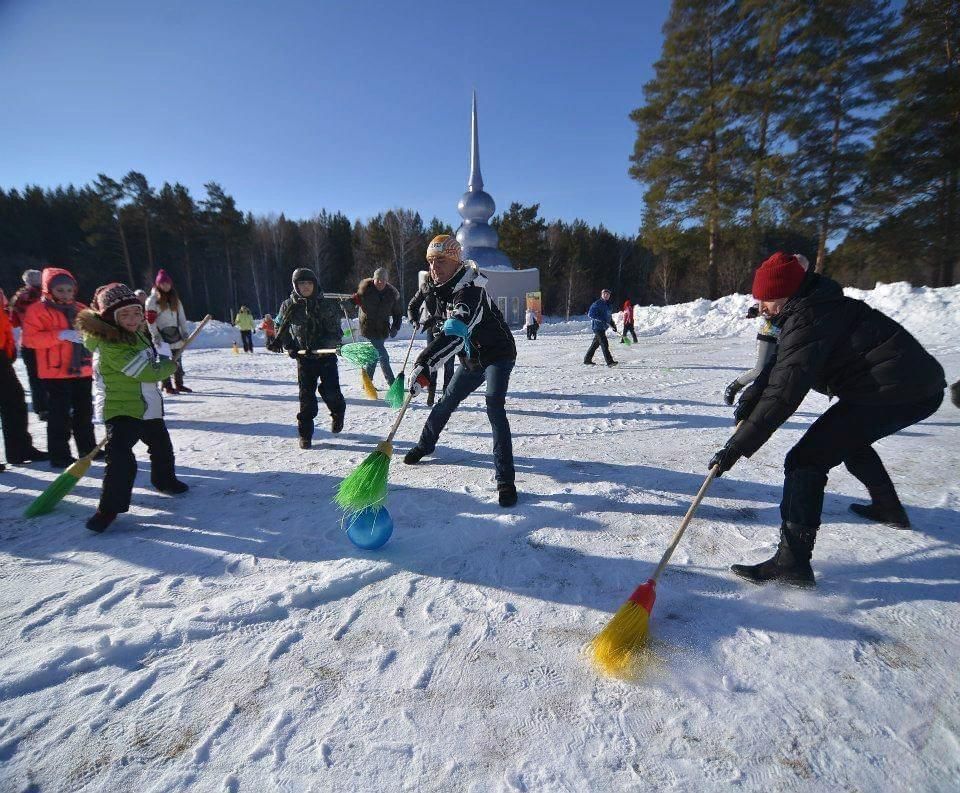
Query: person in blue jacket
point(601, 316)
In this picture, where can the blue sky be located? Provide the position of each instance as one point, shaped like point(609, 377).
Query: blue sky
point(351, 106)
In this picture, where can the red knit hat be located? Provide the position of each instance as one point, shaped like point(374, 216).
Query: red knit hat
point(778, 277)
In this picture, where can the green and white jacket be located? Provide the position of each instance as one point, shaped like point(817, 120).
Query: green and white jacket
point(126, 370)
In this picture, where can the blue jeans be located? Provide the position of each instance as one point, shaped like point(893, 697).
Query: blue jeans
point(381, 349)
point(464, 383)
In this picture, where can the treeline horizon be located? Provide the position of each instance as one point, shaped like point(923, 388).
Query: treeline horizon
point(768, 125)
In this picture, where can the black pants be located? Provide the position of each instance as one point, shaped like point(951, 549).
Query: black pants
point(599, 340)
point(70, 410)
point(628, 329)
point(38, 392)
point(13, 413)
point(123, 433)
point(844, 434)
point(309, 372)
point(532, 331)
point(246, 336)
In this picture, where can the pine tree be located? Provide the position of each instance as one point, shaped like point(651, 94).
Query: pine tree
point(687, 149)
point(842, 58)
point(914, 167)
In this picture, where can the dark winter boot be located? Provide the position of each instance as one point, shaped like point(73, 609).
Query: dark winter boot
point(31, 456)
point(62, 462)
point(589, 363)
point(613, 363)
point(336, 423)
point(730, 392)
point(414, 456)
point(507, 494)
point(791, 562)
point(100, 520)
point(168, 387)
point(305, 443)
point(174, 488)
point(892, 515)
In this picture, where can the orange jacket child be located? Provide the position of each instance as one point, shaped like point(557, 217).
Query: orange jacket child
point(64, 364)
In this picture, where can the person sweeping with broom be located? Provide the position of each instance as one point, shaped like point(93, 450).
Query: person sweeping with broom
point(471, 327)
point(884, 381)
point(128, 369)
point(380, 316)
point(306, 322)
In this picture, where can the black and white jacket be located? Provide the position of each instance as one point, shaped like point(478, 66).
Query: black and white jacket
point(464, 298)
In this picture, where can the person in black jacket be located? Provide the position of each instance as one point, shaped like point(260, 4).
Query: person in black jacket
point(422, 313)
point(307, 321)
point(471, 327)
point(882, 377)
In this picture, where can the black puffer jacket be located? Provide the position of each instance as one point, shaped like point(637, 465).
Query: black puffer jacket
point(463, 299)
point(380, 311)
point(840, 347)
point(308, 323)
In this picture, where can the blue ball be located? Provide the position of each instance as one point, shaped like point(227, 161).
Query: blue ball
point(370, 528)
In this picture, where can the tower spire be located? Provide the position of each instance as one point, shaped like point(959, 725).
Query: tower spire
point(476, 178)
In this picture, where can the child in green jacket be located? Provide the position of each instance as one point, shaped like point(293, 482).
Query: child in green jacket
point(127, 370)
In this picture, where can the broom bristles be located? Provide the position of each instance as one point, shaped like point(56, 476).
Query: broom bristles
point(396, 393)
point(361, 353)
point(53, 495)
point(613, 649)
point(367, 384)
point(367, 485)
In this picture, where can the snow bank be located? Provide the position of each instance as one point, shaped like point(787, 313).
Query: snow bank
point(933, 315)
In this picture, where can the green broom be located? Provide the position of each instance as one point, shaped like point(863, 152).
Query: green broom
point(365, 382)
point(394, 397)
point(360, 353)
point(62, 485)
point(367, 485)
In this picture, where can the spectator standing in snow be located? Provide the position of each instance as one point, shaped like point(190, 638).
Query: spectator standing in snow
point(767, 333)
point(423, 312)
point(244, 323)
point(269, 329)
point(168, 323)
point(471, 327)
point(531, 325)
point(128, 369)
point(308, 321)
point(601, 318)
point(380, 316)
point(25, 297)
point(17, 442)
point(627, 322)
point(63, 363)
point(882, 377)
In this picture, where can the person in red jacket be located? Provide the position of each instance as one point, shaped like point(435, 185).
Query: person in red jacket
point(25, 297)
point(17, 442)
point(627, 322)
point(64, 365)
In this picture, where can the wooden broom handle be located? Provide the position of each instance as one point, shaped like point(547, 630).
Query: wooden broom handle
point(396, 423)
point(192, 337)
point(687, 518)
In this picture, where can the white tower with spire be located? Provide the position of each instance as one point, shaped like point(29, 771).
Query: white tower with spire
point(476, 236)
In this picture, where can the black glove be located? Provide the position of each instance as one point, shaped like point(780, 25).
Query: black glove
point(394, 330)
point(725, 458)
point(747, 403)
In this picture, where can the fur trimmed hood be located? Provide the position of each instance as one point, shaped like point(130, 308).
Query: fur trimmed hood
point(90, 323)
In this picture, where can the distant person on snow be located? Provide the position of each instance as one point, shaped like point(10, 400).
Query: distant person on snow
point(269, 328)
point(23, 298)
point(380, 316)
point(17, 442)
point(128, 368)
point(531, 325)
point(64, 366)
point(472, 328)
point(168, 323)
point(882, 377)
point(627, 322)
point(244, 323)
point(308, 321)
point(423, 312)
point(767, 333)
point(601, 318)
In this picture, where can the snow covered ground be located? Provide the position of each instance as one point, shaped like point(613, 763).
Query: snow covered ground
point(233, 639)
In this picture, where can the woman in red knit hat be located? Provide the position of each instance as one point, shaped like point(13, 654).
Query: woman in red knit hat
point(882, 377)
